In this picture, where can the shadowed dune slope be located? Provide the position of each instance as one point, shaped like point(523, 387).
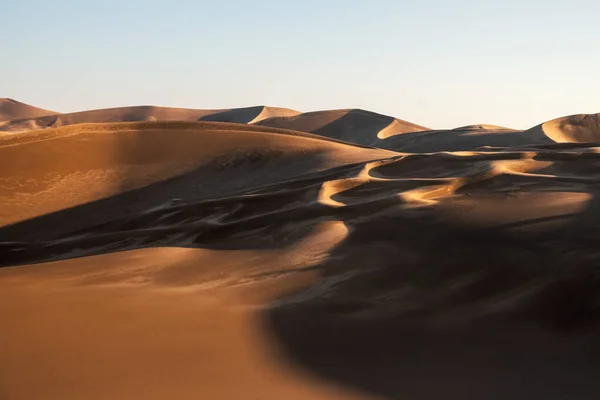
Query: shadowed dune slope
point(49, 170)
point(478, 127)
point(355, 126)
point(143, 113)
point(248, 115)
point(581, 128)
point(467, 138)
point(12, 109)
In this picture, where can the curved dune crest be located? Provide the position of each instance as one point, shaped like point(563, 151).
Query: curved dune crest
point(117, 114)
point(83, 163)
point(356, 126)
point(482, 127)
point(274, 112)
point(353, 125)
point(12, 109)
point(248, 115)
point(580, 128)
point(397, 127)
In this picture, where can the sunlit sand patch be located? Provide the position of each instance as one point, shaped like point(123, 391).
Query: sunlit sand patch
point(331, 188)
point(428, 195)
point(519, 166)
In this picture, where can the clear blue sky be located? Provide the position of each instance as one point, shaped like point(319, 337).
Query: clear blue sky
point(436, 63)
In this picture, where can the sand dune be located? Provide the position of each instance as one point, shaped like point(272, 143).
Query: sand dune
point(581, 128)
point(142, 113)
point(249, 115)
point(468, 138)
point(355, 126)
point(86, 163)
point(479, 127)
point(12, 109)
point(226, 260)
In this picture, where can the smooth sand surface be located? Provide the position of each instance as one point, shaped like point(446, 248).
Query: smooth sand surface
point(28, 120)
point(96, 330)
point(11, 109)
point(51, 170)
point(582, 128)
point(215, 260)
point(355, 125)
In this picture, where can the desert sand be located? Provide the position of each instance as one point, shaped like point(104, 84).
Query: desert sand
point(265, 253)
point(27, 118)
point(11, 109)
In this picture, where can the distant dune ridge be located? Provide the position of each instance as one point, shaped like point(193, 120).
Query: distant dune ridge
point(142, 113)
point(12, 109)
point(356, 126)
point(480, 127)
point(580, 128)
point(156, 253)
point(351, 125)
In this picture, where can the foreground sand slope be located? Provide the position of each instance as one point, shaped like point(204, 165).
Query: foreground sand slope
point(82, 335)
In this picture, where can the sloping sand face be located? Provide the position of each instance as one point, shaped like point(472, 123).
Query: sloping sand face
point(27, 118)
point(582, 128)
point(11, 109)
point(95, 328)
point(52, 170)
point(211, 260)
point(354, 126)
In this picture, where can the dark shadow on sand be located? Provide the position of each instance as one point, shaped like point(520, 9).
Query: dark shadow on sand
point(431, 309)
point(417, 306)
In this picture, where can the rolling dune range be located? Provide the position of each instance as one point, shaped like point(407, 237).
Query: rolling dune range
point(266, 253)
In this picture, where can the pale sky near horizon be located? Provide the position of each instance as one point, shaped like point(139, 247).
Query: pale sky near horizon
point(440, 64)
